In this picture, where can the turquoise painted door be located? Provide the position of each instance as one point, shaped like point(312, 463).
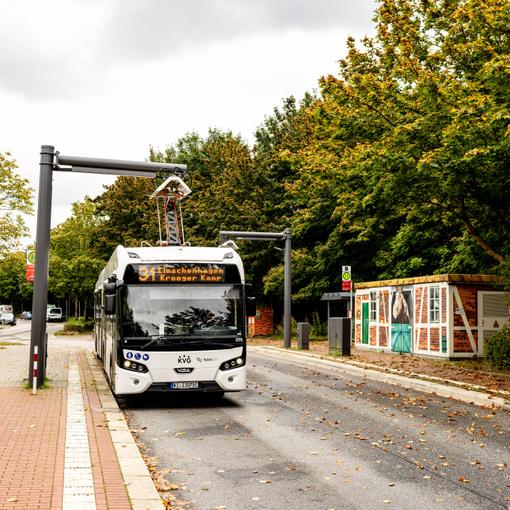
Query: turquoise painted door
point(364, 323)
point(401, 337)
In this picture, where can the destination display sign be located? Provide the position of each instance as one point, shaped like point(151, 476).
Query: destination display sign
point(175, 273)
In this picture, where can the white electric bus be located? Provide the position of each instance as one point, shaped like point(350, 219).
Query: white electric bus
point(172, 319)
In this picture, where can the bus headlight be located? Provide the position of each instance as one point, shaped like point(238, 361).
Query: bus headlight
point(233, 363)
point(134, 366)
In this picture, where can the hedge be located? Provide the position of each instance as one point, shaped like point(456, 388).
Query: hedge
point(497, 348)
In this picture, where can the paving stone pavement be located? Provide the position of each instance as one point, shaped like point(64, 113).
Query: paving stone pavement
point(56, 447)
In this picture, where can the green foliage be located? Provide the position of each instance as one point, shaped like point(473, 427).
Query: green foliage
point(405, 167)
point(124, 215)
point(13, 286)
point(79, 326)
point(497, 348)
point(229, 192)
point(74, 263)
point(15, 198)
point(318, 328)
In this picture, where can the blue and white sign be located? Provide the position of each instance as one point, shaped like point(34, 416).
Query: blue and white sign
point(137, 356)
point(129, 355)
point(145, 357)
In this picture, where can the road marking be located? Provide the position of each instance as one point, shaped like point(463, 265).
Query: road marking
point(78, 481)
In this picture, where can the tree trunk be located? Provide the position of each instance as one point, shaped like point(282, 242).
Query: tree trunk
point(85, 309)
point(486, 247)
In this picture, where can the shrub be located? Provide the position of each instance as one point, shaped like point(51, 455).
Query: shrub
point(78, 326)
point(293, 328)
point(497, 348)
point(318, 328)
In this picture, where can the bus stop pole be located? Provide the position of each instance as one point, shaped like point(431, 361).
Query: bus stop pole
point(287, 290)
point(42, 252)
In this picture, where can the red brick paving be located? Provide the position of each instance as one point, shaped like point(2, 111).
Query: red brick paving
point(32, 436)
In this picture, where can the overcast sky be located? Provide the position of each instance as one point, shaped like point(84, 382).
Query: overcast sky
point(109, 78)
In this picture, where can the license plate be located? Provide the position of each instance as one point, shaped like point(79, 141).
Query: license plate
point(186, 385)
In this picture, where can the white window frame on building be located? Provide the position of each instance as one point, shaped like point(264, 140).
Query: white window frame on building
point(434, 304)
point(373, 306)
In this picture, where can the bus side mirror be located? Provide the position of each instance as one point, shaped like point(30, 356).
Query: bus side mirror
point(109, 298)
point(251, 306)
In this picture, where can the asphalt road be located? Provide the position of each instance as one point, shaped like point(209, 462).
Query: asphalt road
point(303, 438)
point(21, 332)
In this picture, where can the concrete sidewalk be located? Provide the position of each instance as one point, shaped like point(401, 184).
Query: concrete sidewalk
point(68, 447)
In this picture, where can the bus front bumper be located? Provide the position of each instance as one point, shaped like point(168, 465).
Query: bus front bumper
point(128, 382)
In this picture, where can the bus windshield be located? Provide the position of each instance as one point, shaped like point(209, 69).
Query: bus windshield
point(178, 315)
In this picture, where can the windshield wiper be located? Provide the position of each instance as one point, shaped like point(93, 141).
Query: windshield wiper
point(182, 340)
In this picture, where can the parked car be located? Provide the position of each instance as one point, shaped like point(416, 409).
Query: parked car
point(8, 318)
point(26, 315)
point(54, 314)
point(6, 308)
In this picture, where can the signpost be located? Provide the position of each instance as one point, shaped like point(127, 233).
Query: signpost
point(346, 279)
point(347, 287)
point(30, 266)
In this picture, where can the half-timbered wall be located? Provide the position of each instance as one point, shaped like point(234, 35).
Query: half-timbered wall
point(379, 331)
point(430, 325)
point(384, 318)
point(465, 320)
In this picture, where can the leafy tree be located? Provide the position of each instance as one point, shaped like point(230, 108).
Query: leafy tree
point(74, 263)
point(15, 198)
point(125, 215)
point(13, 286)
point(229, 192)
point(406, 170)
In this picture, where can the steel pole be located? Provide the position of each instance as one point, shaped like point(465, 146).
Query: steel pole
point(42, 253)
point(286, 290)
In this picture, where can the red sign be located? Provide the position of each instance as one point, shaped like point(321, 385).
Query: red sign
point(346, 285)
point(30, 272)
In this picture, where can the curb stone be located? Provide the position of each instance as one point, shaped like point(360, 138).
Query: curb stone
point(139, 484)
point(426, 386)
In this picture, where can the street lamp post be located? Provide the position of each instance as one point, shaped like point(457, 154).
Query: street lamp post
point(273, 236)
point(49, 162)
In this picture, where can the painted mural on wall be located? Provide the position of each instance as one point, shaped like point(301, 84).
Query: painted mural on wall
point(401, 320)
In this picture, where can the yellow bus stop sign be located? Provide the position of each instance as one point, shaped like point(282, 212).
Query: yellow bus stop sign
point(30, 256)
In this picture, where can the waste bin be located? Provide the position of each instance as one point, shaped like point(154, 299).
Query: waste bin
point(303, 335)
point(339, 336)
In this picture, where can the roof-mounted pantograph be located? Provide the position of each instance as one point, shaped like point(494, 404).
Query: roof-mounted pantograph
point(171, 192)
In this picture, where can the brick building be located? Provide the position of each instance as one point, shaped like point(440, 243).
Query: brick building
point(441, 315)
point(262, 323)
